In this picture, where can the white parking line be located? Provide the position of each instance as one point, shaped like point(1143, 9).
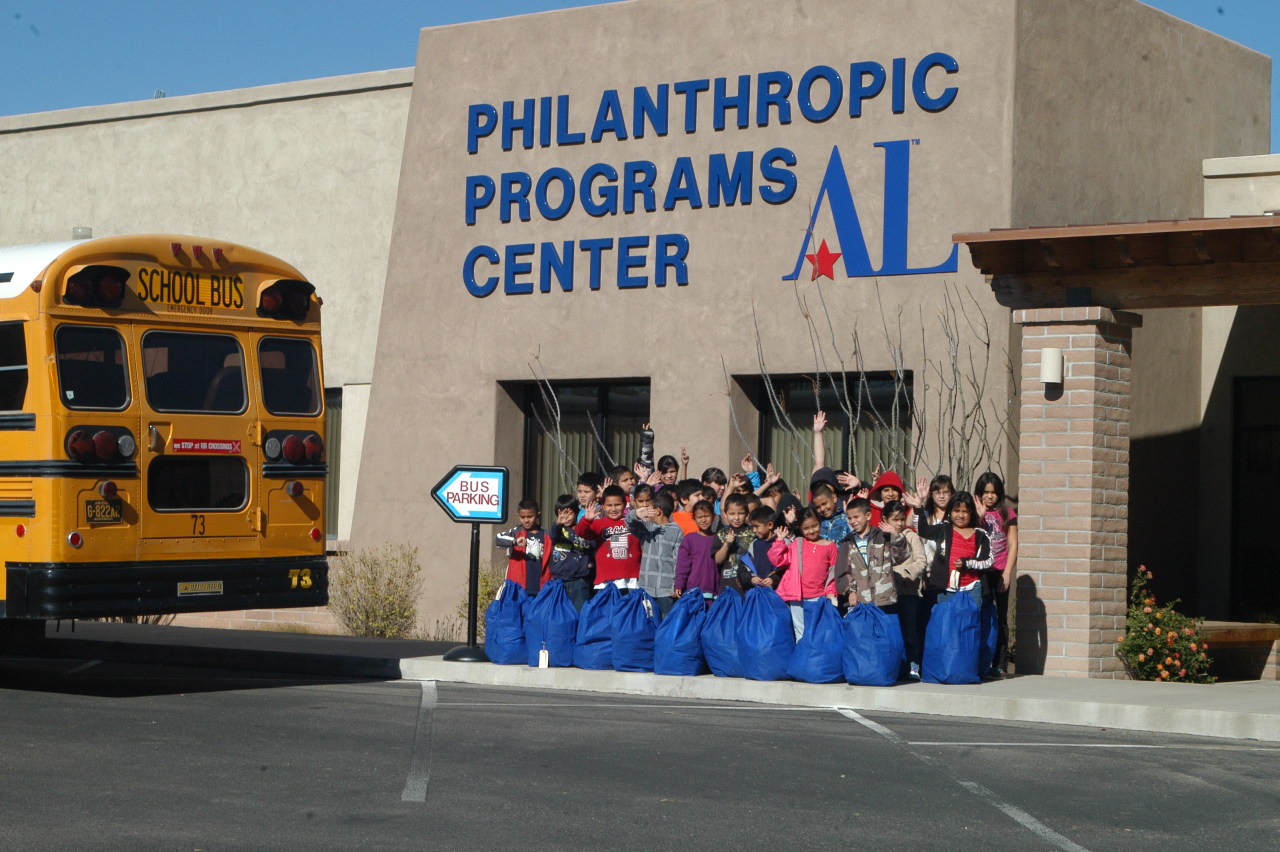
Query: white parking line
point(1018, 815)
point(80, 668)
point(415, 787)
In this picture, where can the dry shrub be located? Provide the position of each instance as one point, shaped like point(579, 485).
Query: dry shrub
point(374, 592)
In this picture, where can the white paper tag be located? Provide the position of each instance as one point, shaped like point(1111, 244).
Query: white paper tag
point(544, 659)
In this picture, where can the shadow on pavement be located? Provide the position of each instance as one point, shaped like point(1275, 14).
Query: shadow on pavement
point(112, 679)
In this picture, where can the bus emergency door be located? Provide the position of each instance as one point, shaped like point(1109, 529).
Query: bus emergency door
point(196, 442)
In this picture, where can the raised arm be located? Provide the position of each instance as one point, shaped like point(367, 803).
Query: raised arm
point(819, 443)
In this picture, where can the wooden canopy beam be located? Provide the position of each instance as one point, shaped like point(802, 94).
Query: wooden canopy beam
point(1196, 262)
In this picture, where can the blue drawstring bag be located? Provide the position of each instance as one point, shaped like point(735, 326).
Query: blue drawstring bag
point(677, 646)
point(635, 621)
point(873, 647)
point(550, 622)
point(766, 639)
point(595, 630)
point(989, 634)
point(951, 642)
point(720, 634)
point(816, 658)
point(504, 627)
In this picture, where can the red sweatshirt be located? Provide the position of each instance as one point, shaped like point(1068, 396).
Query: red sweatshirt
point(618, 554)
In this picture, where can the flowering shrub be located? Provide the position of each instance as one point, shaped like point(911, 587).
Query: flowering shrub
point(1159, 643)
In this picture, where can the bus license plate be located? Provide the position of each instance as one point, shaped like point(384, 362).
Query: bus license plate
point(209, 587)
point(104, 511)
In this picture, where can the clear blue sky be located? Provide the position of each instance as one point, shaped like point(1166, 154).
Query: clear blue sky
point(56, 54)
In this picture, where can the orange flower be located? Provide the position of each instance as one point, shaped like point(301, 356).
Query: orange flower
point(1146, 609)
point(1204, 647)
point(1157, 631)
point(1182, 673)
point(1142, 658)
point(1149, 575)
point(1150, 651)
point(1159, 615)
point(1193, 646)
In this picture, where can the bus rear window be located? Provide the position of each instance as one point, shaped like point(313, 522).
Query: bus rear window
point(203, 483)
point(193, 372)
point(91, 367)
point(289, 381)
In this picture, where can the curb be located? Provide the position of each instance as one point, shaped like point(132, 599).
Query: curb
point(982, 701)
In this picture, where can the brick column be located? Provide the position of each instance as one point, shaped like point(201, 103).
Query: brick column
point(1073, 483)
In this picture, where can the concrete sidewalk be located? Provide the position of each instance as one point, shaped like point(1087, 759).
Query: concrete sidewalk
point(1240, 710)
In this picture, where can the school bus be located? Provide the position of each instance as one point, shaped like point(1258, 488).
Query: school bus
point(161, 430)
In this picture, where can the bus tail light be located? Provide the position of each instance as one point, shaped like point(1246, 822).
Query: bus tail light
point(108, 490)
point(104, 445)
point(293, 488)
point(126, 445)
point(80, 446)
point(314, 448)
point(96, 287)
point(294, 449)
point(286, 299)
point(271, 448)
point(21, 530)
point(315, 534)
point(75, 539)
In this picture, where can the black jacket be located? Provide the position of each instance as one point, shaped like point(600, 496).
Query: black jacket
point(939, 569)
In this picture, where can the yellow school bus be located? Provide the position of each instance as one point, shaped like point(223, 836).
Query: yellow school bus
point(161, 430)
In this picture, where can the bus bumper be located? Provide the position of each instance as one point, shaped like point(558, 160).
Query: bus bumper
point(45, 590)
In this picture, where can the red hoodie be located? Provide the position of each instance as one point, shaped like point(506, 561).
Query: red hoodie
point(618, 556)
point(877, 503)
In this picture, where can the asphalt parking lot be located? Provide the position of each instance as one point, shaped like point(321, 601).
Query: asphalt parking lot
point(118, 756)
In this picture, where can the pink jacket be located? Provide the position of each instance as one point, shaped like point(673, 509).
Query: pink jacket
point(808, 567)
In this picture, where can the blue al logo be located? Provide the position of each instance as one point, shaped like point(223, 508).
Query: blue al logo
point(853, 245)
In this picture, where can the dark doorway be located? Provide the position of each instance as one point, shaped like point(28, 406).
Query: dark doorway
point(1255, 573)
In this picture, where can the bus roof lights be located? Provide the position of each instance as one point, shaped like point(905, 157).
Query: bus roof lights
point(197, 252)
point(217, 255)
point(272, 300)
point(176, 248)
point(36, 286)
point(96, 287)
point(286, 299)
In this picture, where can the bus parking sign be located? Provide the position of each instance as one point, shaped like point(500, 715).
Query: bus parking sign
point(474, 494)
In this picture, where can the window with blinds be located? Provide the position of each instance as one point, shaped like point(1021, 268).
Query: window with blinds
point(875, 433)
point(572, 428)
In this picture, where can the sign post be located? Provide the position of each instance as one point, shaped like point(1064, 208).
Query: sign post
point(473, 494)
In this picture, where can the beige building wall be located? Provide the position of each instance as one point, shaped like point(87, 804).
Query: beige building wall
point(1066, 112)
point(306, 171)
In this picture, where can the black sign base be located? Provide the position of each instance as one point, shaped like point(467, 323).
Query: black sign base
point(466, 654)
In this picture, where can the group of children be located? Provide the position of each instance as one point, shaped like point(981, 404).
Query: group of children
point(651, 529)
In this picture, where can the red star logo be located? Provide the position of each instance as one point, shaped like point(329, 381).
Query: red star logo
point(824, 262)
